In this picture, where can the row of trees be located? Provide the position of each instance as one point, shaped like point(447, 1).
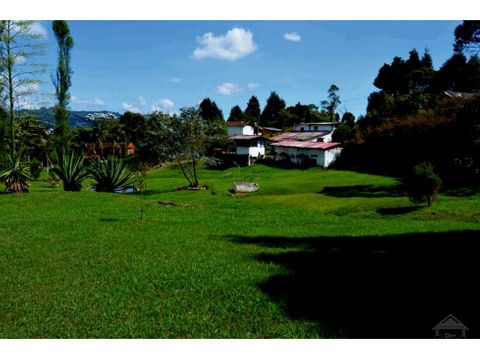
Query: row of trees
point(277, 114)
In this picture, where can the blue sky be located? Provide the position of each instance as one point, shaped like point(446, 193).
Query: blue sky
point(165, 65)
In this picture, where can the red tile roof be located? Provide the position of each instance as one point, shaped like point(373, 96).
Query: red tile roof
point(306, 144)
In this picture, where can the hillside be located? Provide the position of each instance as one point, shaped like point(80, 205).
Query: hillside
point(78, 119)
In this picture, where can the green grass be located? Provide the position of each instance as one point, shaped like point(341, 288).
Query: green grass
point(81, 265)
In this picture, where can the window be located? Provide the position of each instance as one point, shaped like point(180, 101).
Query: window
point(315, 128)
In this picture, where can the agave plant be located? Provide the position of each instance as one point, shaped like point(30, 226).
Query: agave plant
point(71, 168)
point(112, 175)
point(15, 172)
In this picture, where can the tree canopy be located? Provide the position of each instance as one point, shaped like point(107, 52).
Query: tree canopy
point(271, 113)
point(210, 111)
point(236, 114)
point(467, 37)
point(253, 112)
point(333, 101)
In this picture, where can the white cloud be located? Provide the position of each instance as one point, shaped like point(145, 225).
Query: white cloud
point(142, 101)
point(37, 28)
point(253, 85)
point(227, 88)
point(130, 107)
point(175, 80)
point(235, 44)
point(164, 105)
point(293, 36)
point(167, 103)
point(95, 101)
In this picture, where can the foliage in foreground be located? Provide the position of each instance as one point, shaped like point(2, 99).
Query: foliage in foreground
point(422, 184)
point(112, 175)
point(15, 172)
point(70, 167)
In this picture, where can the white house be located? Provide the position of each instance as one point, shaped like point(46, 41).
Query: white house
point(320, 153)
point(309, 143)
point(248, 141)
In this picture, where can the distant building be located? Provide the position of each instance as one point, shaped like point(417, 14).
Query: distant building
point(105, 150)
point(308, 144)
point(321, 126)
point(248, 142)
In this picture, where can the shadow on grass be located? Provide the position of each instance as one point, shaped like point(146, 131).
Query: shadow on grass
point(464, 191)
point(398, 210)
point(377, 287)
point(371, 191)
point(151, 192)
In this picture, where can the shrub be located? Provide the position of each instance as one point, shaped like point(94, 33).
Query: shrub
point(112, 175)
point(15, 172)
point(422, 184)
point(70, 167)
point(35, 169)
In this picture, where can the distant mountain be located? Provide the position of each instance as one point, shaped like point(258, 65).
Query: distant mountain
point(78, 119)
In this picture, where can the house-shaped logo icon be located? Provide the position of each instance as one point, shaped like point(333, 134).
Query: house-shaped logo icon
point(450, 328)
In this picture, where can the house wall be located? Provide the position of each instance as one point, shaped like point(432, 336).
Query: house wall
point(252, 150)
point(323, 158)
point(237, 130)
point(331, 155)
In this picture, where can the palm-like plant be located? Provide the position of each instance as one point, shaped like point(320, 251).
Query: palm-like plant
point(15, 172)
point(112, 175)
point(71, 168)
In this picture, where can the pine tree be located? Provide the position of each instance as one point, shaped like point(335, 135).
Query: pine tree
point(252, 112)
point(62, 82)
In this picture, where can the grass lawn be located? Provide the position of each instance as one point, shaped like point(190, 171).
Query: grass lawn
point(313, 254)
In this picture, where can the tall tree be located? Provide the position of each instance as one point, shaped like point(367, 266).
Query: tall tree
point(333, 101)
point(252, 112)
point(216, 130)
point(236, 114)
point(405, 88)
point(62, 82)
point(271, 113)
point(349, 119)
point(458, 74)
point(133, 124)
point(209, 110)
point(18, 44)
point(184, 139)
point(467, 37)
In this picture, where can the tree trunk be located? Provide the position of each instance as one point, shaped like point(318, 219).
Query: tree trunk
point(194, 166)
point(184, 172)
